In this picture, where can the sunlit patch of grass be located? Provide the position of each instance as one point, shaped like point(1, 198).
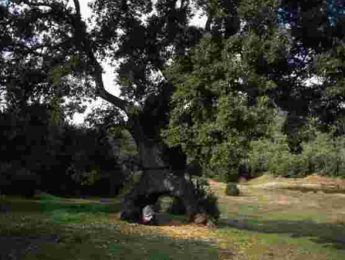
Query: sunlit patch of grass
point(64, 217)
point(257, 245)
point(282, 224)
point(302, 215)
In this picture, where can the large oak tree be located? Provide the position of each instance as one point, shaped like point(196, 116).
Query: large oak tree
point(222, 81)
point(49, 52)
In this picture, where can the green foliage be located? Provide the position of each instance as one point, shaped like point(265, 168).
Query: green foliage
point(222, 174)
point(221, 109)
point(232, 189)
point(325, 155)
point(322, 153)
point(36, 154)
point(330, 66)
point(57, 73)
point(211, 118)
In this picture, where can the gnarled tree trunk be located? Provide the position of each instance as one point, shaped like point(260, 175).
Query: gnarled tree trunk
point(158, 176)
point(158, 179)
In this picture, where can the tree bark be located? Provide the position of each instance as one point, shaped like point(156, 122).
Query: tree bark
point(158, 177)
point(157, 180)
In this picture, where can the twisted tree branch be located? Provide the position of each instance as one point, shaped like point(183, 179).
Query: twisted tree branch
point(84, 45)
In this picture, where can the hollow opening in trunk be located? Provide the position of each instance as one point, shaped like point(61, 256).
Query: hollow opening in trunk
point(169, 210)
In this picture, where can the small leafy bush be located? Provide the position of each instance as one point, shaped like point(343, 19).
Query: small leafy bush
point(232, 189)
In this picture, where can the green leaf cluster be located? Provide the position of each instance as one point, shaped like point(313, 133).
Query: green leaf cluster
point(220, 102)
point(322, 153)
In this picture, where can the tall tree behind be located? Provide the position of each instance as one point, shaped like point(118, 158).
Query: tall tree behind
point(229, 84)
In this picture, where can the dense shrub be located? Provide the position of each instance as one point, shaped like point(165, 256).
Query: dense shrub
point(222, 174)
point(16, 180)
point(232, 189)
point(60, 159)
point(323, 154)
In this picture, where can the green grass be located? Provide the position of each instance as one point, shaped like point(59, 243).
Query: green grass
point(255, 244)
point(282, 224)
point(256, 225)
point(89, 231)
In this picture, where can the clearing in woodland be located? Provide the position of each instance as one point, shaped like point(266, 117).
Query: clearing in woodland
point(266, 221)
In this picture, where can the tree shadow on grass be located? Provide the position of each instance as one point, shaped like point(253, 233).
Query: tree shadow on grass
point(117, 246)
point(328, 234)
point(49, 205)
point(97, 241)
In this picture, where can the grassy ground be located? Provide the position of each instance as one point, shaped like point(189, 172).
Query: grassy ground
point(55, 228)
point(282, 223)
point(259, 224)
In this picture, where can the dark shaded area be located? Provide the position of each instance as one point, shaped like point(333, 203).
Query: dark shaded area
point(16, 247)
point(61, 159)
point(177, 207)
point(330, 235)
point(50, 205)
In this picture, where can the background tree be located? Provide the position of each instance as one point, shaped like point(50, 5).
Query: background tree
point(279, 57)
point(64, 160)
